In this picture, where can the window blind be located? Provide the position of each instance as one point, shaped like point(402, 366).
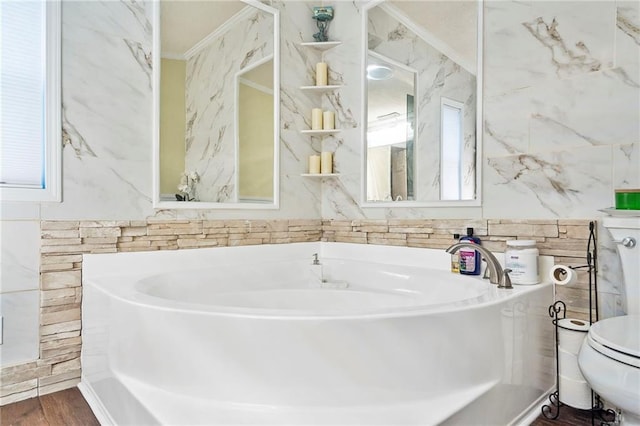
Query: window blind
point(22, 93)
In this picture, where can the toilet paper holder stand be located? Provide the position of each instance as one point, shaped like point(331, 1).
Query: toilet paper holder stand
point(557, 312)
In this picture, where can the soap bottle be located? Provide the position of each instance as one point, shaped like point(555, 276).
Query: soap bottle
point(455, 258)
point(469, 259)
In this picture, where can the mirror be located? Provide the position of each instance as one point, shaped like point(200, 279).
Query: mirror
point(218, 105)
point(422, 103)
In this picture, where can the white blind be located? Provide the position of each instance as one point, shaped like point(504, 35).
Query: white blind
point(22, 93)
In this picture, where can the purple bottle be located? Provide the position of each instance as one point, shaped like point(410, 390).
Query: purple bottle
point(469, 259)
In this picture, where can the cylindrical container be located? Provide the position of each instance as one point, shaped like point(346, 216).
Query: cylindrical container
point(562, 275)
point(628, 199)
point(326, 162)
point(574, 393)
point(568, 365)
point(316, 119)
point(314, 164)
point(571, 334)
point(521, 256)
point(328, 120)
point(322, 74)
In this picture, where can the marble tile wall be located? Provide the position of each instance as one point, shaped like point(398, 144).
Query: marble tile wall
point(562, 101)
point(437, 76)
point(210, 96)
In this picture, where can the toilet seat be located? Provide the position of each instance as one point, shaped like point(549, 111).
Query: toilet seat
point(617, 338)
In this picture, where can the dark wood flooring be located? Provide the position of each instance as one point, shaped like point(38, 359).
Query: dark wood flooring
point(68, 408)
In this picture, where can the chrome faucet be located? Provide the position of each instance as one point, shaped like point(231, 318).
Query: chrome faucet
point(496, 274)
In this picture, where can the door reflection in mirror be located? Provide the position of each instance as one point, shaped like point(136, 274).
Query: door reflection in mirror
point(390, 129)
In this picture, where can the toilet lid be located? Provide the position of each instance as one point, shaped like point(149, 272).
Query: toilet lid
point(617, 338)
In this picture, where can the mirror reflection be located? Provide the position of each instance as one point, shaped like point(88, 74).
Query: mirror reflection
point(218, 97)
point(390, 129)
point(421, 101)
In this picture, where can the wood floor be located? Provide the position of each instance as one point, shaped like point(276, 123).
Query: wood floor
point(64, 408)
point(68, 408)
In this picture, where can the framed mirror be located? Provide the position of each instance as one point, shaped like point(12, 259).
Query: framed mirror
point(217, 105)
point(422, 103)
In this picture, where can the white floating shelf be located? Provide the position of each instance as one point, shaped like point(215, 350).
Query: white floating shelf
point(320, 132)
point(320, 175)
point(320, 89)
point(321, 45)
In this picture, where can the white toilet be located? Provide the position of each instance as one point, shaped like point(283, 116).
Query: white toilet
point(610, 355)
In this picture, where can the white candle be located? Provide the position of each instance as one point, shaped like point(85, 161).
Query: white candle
point(314, 164)
point(328, 120)
point(326, 162)
point(322, 74)
point(316, 119)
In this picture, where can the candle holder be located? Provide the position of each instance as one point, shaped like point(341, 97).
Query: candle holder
point(323, 15)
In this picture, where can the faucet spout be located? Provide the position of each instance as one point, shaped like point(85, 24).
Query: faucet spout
point(495, 269)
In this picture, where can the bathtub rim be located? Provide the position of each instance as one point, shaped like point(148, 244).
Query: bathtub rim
point(126, 292)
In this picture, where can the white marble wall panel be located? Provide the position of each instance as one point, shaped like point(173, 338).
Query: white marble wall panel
point(626, 166)
point(588, 110)
point(21, 334)
point(19, 255)
point(107, 112)
point(569, 183)
point(572, 117)
point(211, 98)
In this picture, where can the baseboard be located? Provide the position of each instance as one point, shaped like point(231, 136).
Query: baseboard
point(96, 406)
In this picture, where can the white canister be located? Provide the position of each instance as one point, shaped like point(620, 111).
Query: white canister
point(521, 256)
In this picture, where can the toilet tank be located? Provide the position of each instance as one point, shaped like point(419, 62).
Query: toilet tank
point(628, 228)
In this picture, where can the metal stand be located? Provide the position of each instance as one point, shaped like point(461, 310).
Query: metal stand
point(557, 311)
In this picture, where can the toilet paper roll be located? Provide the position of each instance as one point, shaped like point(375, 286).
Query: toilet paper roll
point(314, 164)
point(568, 366)
point(562, 275)
point(322, 74)
point(316, 119)
point(574, 393)
point(571, 334)
point(326, 162)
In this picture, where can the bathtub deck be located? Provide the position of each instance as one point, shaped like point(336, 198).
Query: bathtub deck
point(68, 407)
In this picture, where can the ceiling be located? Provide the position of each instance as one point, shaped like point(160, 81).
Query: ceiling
point(184, 23)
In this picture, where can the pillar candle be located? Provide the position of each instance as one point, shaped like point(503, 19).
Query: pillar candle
point(326, 162)
point(316, 119)
point(314, 164)
point(322, 74)
point(328, 120)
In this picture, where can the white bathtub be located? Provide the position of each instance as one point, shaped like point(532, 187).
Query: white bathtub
point(249, 335)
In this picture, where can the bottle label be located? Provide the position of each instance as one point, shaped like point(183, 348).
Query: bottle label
point(524, 268)
point(467, 261)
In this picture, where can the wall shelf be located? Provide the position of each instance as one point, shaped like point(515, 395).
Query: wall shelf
point(320, 89)
point(320, 132)
point(320, 175)
point(321, 45)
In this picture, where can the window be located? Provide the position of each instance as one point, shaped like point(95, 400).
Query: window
point(30, 123)
point(451, 151)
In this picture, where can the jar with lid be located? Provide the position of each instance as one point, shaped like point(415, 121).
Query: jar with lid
point(521, 256)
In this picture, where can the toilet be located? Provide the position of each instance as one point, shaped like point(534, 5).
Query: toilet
point(609, 357)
